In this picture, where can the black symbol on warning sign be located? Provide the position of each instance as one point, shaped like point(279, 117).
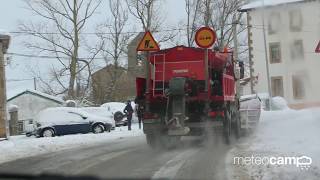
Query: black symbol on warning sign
point(146, 44)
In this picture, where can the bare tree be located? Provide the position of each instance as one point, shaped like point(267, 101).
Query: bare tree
point(192, 8)
point(61, 36)
point(146, 13)
point(220, 15)
point(114, 50)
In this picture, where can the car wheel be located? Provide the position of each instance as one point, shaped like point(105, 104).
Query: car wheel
point(48, 133)
point(98, 129)
point(118, 116)
point(108, 128)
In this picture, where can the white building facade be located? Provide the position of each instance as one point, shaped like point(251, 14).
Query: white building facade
point(292, 29)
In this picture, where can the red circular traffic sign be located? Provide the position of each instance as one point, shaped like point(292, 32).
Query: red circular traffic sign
point(205, 37)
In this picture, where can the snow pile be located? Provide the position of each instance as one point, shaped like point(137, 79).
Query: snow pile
point(286, 133)
point(114, 106)
point(279, 103)
point(12, 108)
point(21, 146)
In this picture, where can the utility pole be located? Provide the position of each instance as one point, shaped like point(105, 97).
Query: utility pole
point(147, 76)
point(266, 56)
point(4, 127)
point(239, 91)
point(251, 70)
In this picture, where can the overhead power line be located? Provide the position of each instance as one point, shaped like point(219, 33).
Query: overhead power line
point(103, 33)
point(97, 33)
point(17, 80)
point(48, 57)
point(54, 57)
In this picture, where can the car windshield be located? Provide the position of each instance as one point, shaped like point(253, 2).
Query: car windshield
point(160, 89)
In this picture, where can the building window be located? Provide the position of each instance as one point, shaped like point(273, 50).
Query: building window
point(298, 87)
point(295, 20)
point(274, 23)
point(297, 51)
point(275, 52)
point(277, 86)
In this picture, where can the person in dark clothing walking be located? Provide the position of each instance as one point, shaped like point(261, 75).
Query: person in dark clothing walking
point(128, 110)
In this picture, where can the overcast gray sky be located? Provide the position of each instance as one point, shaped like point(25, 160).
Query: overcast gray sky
point(13, 11)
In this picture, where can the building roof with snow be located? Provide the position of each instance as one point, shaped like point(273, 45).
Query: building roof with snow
point(13, 95)
point(266, 3)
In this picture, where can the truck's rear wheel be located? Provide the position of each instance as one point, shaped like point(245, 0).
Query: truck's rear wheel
point(227, 126)
point(237, 126)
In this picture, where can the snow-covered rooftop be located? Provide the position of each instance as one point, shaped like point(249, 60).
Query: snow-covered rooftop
point(13, 94)
point(4, 32)
point(259, 3)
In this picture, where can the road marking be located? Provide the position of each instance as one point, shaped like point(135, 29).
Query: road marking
point(100, 159)
point(171, 168)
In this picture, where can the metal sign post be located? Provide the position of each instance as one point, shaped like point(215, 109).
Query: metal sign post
point(148, 44)
point(147, 81)
point(205, 38)
point(206, 71)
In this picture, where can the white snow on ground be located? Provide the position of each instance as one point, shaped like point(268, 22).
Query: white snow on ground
point(292, 133)
point(22, 146)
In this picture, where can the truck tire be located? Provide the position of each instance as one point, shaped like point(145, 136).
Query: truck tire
point(237, 125)
point(227, 126)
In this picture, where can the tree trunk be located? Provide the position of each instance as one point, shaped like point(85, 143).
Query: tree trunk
point(73, 65)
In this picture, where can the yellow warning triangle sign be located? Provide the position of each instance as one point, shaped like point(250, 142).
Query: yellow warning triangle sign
point(148, 43)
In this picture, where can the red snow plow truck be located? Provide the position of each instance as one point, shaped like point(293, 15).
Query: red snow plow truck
point(184, 99)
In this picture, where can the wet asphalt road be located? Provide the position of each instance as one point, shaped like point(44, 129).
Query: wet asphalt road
point(131, 158)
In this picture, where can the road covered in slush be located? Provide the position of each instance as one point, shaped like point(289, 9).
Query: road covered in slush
point(125, 154)
point(130, 157)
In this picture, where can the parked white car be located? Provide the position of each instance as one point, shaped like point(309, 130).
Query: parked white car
point(68, 120)
point(102, 112)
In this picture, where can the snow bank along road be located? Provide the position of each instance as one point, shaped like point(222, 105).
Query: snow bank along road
point(280, 134)
point(129, 157)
